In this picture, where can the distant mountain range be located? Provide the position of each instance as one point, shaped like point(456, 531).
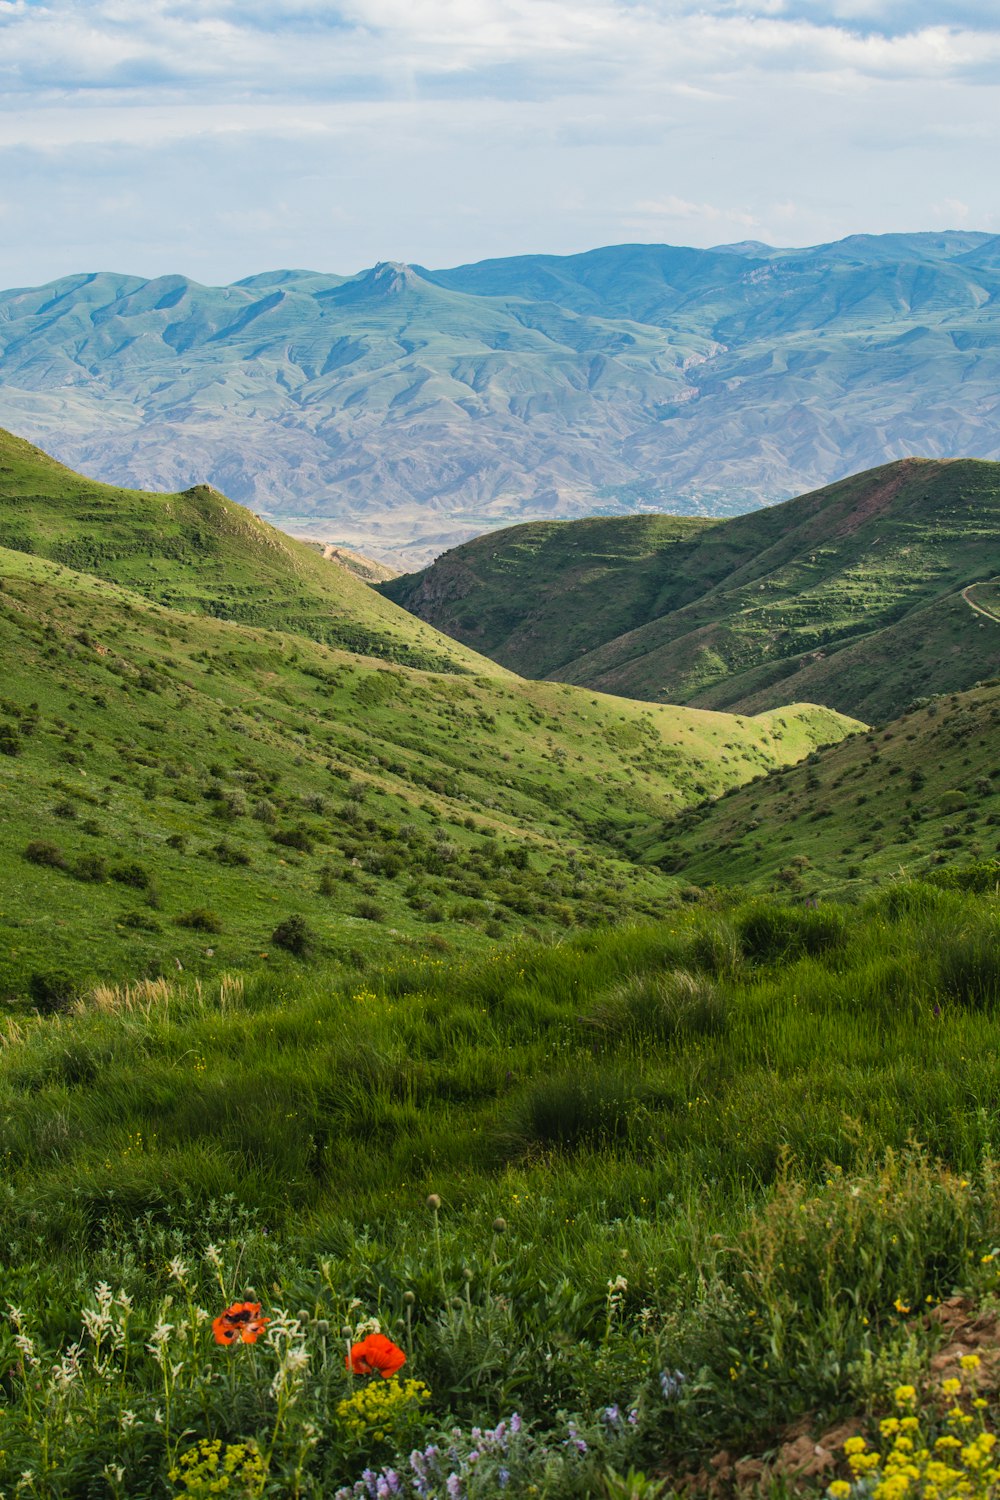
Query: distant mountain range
point(402, 410)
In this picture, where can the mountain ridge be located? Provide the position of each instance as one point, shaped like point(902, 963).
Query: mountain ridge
point(404, 409)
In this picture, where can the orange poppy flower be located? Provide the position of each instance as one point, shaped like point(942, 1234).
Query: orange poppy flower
point(240, 1323)
point(375, 1355)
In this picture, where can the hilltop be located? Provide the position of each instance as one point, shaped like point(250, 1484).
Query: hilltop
point(177, 784)
point(863, 595)
point(405, 409)
point(198, 551)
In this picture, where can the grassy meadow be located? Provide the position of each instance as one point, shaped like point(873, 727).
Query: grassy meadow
point(177, 787)
point(659, 1192)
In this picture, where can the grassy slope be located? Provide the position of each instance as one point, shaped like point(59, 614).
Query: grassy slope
point(626, 1101)
point(921, 793)
point(537, 596)
point(848, 596)
point(408, 787)
point(198, 551)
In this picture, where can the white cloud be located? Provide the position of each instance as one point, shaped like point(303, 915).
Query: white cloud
point(448, 129)
point(680, 210)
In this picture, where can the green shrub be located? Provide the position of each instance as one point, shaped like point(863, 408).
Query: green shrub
point(41, 852)
point(130, 873)
point(370, 911)
point(53, 991)
point(90, 867)
point(294, 935)
point(200, 919)
point(294, 838)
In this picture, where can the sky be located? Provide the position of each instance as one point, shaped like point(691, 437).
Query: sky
point(219, 139)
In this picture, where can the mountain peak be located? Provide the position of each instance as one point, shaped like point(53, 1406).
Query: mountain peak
point(392, 277)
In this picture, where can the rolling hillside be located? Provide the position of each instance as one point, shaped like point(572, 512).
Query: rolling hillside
point(851, 596)
point(915, 799)
point(198, 551)
point(175, 786)
point(404, 409)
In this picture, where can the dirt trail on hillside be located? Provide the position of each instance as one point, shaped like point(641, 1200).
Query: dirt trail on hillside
point(987, 613)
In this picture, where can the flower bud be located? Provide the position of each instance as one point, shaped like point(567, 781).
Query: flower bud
point(499, 1226)
point(433, 1202)
point(409, 1298)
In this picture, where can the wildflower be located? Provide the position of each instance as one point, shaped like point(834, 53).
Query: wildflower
point(969, 1361)
point(901, 1306)
point(574, 1439)
point(839, 1489)
point(375, 1355)
point(241, 1322)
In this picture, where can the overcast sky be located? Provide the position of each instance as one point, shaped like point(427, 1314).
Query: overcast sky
point(223, 137)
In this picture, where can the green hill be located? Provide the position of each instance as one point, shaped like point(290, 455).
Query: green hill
point(918, 798)
point(850, 596)
point(176, 785)
point(198, 551)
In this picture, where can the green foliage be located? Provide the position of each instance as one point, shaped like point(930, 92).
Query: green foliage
point(771, 934)
point(295, 936)
point(681, 1194)
point(849, 597)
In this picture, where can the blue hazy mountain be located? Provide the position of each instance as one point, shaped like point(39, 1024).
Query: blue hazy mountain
point(407, 405)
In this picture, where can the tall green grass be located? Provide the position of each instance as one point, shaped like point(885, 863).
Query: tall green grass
point(728, 1146)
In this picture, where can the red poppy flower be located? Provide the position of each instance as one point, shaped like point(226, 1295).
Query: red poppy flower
point(240, 1323)
point(375, 1355)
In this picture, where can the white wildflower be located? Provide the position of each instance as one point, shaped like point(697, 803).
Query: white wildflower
point(96, 1323)
point(158, 1341)
point(177, 1269)
point(26, 1348)
point(214, 1256)
point(68, 1368)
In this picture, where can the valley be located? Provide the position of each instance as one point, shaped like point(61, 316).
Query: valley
point(624, 1069)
